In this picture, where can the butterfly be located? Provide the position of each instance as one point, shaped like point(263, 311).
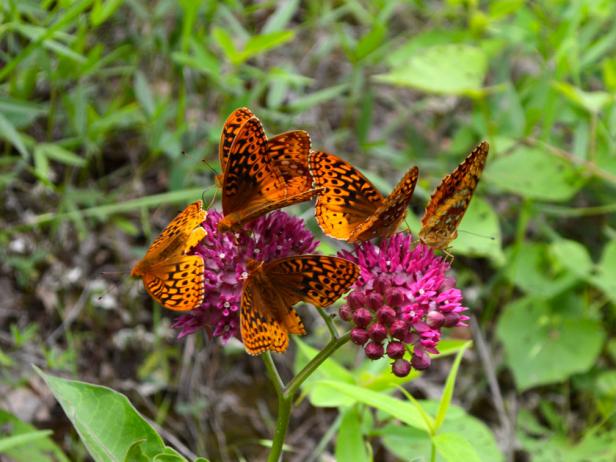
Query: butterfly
point(172, 277)
point(287, 151)
point(260, 176)
point(267, 316)
point(449, 201)
point(349, 207)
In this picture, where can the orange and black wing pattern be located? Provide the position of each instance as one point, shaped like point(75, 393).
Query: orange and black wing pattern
point(449, 201)
point(349, 207)
point(172, 277)
point(267, 316)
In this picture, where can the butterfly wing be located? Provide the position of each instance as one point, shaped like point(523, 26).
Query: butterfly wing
point(346, 198)
point(450, 200)
point(261, 327)
point(388, 216)
point(289, 153)
point(177, 283)
point(173, 238)
point(230, 129)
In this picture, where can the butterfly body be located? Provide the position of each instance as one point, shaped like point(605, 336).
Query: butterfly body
point(450, 200)
point(267, 316)
point(260, 175)
point(349, 207)
point(172, 277)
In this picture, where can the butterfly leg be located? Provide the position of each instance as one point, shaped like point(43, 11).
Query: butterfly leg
point(449, 256)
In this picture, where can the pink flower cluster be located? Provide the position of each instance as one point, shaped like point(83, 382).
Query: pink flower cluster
point(272, 236)
point(401, 301)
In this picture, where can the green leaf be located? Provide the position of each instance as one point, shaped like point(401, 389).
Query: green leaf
point(591, 101)
point(26, 443)
point(21, 113)
point(543, 347)
point(573, 256)
point(529, 268)
point(306, 102)
point(405, 412)
point(264, 42)
point(107, 423)
point(225, 42)
point(280, 18)
point(454, 448)
point(532, 172)
point(9, 133)
point(479, 233)
point(443, 69)
point(102, 10)
point(605, 276)
point(448, 390)
point(350, 444)
point(59, 154)
point(144, 94)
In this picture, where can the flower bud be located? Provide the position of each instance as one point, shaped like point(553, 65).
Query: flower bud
point(374, 350)
point(401, 368)
point(420, 360)
point(359, 336)
point(451, 320)
point(356, 299)
point(394, 297)
point(377, 332)
point(399, 329)
point(345, 312)
point(362, 317)
point(375, 301)
point(435, 319)
point(395, 350)
point(386, 315)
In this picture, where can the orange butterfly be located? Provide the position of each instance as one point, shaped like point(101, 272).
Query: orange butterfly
point(253, 184)
point(271, 289)
point(171, 277)
point(287, 151)
point(449, 201)
point(349, 207)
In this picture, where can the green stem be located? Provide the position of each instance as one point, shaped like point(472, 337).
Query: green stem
point(314, 363)
point(329, 322)
point(286, 393)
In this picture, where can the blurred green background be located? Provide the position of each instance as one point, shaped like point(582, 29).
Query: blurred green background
point(107, 109)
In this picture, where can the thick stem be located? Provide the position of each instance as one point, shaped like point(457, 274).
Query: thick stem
point(282, 423)
point(272, 373)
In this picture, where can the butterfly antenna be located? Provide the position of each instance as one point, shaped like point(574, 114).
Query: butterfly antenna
point(209, 166)
point(212, 200)
point(492, 238)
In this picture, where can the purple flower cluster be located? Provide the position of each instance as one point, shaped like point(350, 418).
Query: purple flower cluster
point(272, 236)
point(401, 301)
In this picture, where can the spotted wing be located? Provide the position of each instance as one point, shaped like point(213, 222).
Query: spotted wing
point(177, 283)
point(289, 154)
point(346, 198)
point(231, 128)
point(385, 221)
point(265, 321)
point(450, 200)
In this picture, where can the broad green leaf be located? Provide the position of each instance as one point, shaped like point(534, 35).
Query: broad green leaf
point(454, 447)
point(543, 345)
point(605, 276)
point(265, 42)
point(529, 268)
point(10, 134)
point(350, 444)
point(409, 443)
point(446, 69)
point(107, 423)
point(591, 101)
point(21, 113)
point(593, 447)
point(405, 412)
point(573, 256)
point(479, 233)
point(534, 173)
point(225, 42)
point(36, 446)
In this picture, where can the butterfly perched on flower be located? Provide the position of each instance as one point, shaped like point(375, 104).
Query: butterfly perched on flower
point(449, 201)
point(349, 207)
point(267, 316)
point(260, 175)
point(170, 275)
